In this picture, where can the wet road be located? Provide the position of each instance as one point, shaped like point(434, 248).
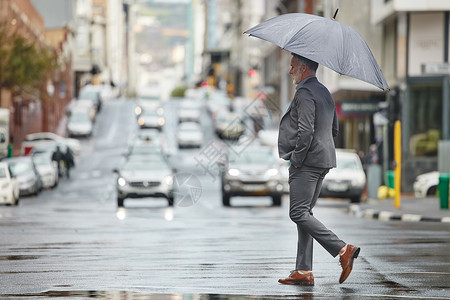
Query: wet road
point(73, 241)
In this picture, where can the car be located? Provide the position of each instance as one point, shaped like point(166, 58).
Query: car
point(148, 100)
point(189, 134)
point(24, 169)
point(189, 111)
point(145, 177)
point(9, 187)
point(426, 184)
point(47, 168)
point(218, 102)
point(151, 119)
point(347, 180)
point(252, 172)
point(79, 124)
point(140, 149)
point(32, 138)
point(229, 125)
point(86, 105)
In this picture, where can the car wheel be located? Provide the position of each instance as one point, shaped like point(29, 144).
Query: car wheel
point(120, 202)
point(432, 191)
point(356, 199)
point(226, 199)
point(171, 201)
point(276, 200)
point(16, 200)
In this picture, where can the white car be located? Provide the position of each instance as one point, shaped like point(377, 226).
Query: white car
point(30, 140)
point(347, 180)
point(189, 111)
point(79, 124)
point(48, 169)
point(189, 134)
point(9, 187)
point(426, 184)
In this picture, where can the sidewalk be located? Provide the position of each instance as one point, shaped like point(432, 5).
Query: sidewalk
point(411, 209)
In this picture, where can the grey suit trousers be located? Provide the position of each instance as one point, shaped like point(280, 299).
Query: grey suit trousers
point(305, 184)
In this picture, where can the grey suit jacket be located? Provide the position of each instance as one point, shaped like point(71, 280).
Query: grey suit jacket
point(308, 127)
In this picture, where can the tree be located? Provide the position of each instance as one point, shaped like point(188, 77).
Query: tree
point(23, 64)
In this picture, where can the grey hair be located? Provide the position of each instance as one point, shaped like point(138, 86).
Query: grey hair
point(312, 65)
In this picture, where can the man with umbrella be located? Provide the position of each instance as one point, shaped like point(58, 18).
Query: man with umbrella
point(307, 129)
point(306, 140)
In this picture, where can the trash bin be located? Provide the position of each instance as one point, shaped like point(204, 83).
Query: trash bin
point(444, 180)
point(389, 179)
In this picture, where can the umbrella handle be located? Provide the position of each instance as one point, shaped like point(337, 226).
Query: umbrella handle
point(334, 17)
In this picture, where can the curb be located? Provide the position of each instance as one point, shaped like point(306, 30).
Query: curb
point(355, 210)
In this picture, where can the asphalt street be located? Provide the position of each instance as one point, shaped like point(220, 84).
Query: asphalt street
point(74, 242)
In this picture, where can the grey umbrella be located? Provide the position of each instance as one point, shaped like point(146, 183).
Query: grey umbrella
point(326, 41)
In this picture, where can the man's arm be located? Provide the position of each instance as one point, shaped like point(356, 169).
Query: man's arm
point(335, 124)
point(306, 110)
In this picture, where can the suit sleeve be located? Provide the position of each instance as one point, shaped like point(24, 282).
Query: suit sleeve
point(335, 125)
point(306, 110)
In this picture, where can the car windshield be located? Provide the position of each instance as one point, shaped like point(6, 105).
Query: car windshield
point(79, 118)
point(93, 95)
point(143, 165)
point(347, 163)
point(41, 160)
point(253, 157)
point(145, 150)
point(19, 168)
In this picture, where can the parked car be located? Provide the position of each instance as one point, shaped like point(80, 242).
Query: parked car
point(31, 139)
point(189, 134)
point(9, 187)
point(144, 177)
point(426, 184)
point(252, 172)
point(24, 169)
point(347, 180)
point(151, 119)
point(79, 124)
point(47, 168)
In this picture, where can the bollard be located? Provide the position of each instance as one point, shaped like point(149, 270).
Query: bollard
point(444, 179)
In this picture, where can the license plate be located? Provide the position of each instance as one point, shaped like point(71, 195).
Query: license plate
point(253, 187)
point(337, 187)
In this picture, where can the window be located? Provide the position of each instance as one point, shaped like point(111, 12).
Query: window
point(425, 118)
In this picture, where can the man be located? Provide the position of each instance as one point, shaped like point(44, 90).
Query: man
point(306, 140)
point(58, 157)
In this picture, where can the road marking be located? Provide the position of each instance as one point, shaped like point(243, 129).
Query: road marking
point(411, 218)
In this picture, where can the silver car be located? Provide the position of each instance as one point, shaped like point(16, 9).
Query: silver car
point(347, 180)
point(189, 134)
point(47, 168)
point(144, 177)
point(24, 169)
point(252, 172)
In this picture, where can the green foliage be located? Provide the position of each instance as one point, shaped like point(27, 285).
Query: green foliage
point(23, 64)
point(179, 91)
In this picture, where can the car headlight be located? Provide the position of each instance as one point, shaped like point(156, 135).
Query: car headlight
point(161, 121)
point(121, 181)
point(168, 180)
point(141, 121)
point(138, 110)
point(234, 172)
point(272, 172)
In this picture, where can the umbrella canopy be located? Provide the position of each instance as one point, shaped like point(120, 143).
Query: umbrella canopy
point(326, 41)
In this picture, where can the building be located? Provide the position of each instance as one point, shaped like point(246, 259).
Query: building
point(416, 65)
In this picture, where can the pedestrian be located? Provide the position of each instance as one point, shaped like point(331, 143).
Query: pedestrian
point(68, 159)
point(58, 157)
point(306, 140)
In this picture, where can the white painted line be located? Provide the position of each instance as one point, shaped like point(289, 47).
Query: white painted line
point(411, 218)
point(445, 220)
point(385, 215)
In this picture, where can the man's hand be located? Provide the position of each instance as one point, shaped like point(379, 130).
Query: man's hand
point(295, 166)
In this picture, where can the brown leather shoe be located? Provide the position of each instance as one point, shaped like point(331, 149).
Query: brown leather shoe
point(298, 278)
point(346, 261)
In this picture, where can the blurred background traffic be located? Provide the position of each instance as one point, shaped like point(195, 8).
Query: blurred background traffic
point(200, 90)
